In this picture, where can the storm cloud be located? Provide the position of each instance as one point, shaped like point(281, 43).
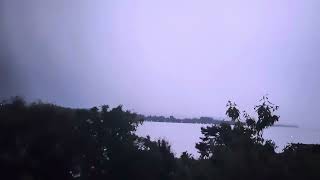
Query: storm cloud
point(182, 58)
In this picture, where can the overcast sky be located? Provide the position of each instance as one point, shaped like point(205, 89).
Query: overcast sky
point(168, 57)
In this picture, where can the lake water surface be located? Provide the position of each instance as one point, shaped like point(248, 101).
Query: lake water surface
point(183, 136)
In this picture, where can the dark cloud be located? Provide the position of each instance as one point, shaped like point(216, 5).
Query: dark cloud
point(163, 58)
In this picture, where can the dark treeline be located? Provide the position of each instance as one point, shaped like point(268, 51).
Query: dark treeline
point(201, 120)
point(40, 141)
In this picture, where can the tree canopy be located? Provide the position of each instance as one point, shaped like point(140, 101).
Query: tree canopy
point(45, 141)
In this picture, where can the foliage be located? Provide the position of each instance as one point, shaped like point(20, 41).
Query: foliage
point(240, 148)
point(45, 141)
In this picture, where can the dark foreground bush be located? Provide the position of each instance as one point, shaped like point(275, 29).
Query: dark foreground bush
point(40, 141)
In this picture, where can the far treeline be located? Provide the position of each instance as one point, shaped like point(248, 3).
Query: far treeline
point(41, 141)
point(201, 120)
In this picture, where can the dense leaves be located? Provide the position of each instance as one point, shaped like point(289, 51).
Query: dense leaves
point(240, 151)
point(43, 141)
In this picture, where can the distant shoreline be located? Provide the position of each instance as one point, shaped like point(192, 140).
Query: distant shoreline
point(202, 120)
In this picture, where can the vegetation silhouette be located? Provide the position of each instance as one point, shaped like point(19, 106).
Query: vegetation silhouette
point(45, 141)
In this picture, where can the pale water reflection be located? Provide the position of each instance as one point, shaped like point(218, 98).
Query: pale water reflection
point(183, 136)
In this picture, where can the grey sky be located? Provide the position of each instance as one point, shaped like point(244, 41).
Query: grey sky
point(179, 57)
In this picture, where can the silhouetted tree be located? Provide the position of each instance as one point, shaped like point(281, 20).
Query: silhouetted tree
point(45, 141)
point(239, 148)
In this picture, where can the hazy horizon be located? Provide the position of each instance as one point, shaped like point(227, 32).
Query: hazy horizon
point(181, 58)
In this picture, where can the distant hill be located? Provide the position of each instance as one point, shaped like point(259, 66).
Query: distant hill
point(201, 120)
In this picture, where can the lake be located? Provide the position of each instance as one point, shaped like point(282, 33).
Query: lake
point(183, 136)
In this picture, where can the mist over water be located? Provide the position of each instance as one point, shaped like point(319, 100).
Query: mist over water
point(90, 71)
point(181, 58)
point(189, 134)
